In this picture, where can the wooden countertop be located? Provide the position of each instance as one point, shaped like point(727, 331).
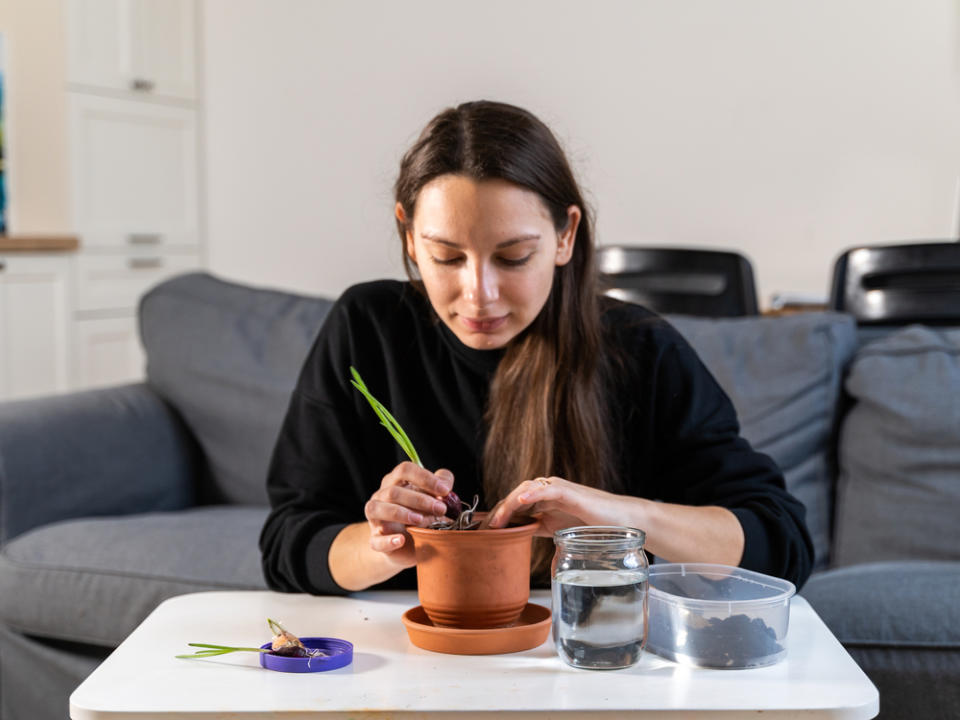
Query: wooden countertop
point(39, 243)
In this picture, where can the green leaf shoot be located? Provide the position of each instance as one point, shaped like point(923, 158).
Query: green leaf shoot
point(213, 650)
point(386, 419)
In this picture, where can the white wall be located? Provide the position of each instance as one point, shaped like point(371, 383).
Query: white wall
point(787, 130)
point(35, 131)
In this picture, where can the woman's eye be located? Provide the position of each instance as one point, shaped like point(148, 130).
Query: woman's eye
point(445, 261)
point(508, 262)
point(516, 262)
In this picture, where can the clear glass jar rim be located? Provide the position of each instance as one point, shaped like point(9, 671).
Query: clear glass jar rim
point(600, 537)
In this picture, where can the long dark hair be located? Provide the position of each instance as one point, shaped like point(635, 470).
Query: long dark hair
point(546, 412)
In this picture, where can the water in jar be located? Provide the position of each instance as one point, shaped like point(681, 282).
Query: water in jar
point(600, 617)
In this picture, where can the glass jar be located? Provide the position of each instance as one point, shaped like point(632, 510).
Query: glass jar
point(599, 590)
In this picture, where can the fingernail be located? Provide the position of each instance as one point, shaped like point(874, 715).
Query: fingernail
point(523, 498)
point(444, 486)
point(439, 509)
point(395, 541)
point(416, 518)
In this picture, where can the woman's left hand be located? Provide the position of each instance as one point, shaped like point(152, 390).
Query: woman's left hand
point(558, 504)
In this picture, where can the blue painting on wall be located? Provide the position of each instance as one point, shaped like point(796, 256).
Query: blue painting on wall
point(3, 147)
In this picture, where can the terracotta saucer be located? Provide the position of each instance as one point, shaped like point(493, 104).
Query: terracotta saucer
point(530, 631)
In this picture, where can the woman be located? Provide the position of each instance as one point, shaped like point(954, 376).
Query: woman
point(516, 380)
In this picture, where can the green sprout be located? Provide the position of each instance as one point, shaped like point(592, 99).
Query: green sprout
point(214, 650)
point(386, 419)
point(283, 643)
point(460, 511)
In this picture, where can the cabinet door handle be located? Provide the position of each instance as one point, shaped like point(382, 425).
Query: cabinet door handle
point(144, 238)
point(3, 266)
point(142, 85)
point(144, 263)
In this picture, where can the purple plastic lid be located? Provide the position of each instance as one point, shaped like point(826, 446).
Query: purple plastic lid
point(339, 654)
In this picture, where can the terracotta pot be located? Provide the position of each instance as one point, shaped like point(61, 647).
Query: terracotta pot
point(474, 578)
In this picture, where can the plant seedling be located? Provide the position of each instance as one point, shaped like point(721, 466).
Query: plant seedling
point(283, 643)
point(456, 508)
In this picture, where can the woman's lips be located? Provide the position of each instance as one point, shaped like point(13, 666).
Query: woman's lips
point(483, 325)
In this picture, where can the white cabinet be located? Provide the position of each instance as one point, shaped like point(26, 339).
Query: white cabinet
point(34, 322)
point(134, 150)
point(107, 351)
point(144, 46)
point(164, 51)
point(134, 167)
point(107, 282)
point(98, 47)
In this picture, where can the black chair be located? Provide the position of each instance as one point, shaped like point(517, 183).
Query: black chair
point(899, 284)
point(710, 283)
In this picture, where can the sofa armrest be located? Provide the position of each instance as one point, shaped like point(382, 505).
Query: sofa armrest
point(114, 451)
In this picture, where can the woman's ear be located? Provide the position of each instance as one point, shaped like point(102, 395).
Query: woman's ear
point(568, 236)
point(408, 234)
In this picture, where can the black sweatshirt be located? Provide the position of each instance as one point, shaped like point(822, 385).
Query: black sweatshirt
point(675, 433)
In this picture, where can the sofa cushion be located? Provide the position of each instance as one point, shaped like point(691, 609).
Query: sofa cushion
point(890, 604)
point(900, 621)
point(899, 483)
point(73, 455)
point(93, 581)
point(227, 358)
point(783, 375)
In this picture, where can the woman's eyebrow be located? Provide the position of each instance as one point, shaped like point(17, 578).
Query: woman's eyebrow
point(432, 237)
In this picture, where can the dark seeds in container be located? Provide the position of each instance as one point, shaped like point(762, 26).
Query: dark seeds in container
point(735, 641)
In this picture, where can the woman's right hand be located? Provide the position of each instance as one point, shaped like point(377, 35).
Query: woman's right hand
point(408, 495)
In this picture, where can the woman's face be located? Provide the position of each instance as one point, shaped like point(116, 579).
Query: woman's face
point(486, 252)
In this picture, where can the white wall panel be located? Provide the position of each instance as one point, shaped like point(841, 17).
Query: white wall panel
point(788, 130)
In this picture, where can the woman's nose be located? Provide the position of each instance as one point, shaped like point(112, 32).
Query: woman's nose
point(482, 285)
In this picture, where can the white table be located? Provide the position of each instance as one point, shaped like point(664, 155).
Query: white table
point(391, 678)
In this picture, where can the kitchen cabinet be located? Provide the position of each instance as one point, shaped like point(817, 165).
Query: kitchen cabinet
point(137, 46)
point(109, 282)
point(134, 173)
point(106, 351)
point(34, 324)
point(133, 108)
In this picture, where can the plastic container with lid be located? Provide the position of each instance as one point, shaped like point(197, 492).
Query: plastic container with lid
point(717, 616)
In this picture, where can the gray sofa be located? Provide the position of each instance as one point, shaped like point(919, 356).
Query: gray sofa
point(113, 500)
